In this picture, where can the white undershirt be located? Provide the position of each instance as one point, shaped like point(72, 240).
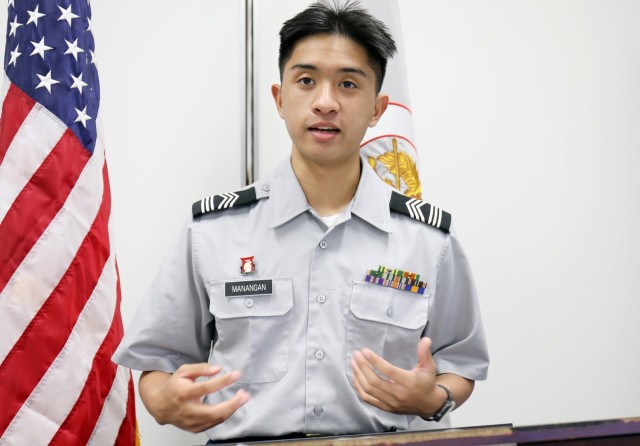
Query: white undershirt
point(330, 219)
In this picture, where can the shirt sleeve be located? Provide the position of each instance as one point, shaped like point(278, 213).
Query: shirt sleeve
point(455, 324)
point(173, 325)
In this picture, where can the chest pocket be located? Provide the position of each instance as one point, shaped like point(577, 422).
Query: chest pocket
point(252, 331)
point(387, 321)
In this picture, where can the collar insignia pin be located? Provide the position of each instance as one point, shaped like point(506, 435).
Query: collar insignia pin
point(247, 266)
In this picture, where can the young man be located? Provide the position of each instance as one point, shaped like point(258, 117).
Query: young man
point(317, 300)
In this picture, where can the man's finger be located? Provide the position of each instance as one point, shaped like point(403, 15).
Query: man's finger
point(395, 374)
point(193, 371)
point(364, 396)
point(205, 416)
point(425, 360)
point(367, 372)
point(369, 380)
point(203, 388)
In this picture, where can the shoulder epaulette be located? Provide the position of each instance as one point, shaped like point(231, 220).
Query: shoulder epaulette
point(421, 211)
point(216, 203)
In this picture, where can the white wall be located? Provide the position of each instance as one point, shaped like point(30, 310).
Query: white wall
point(528, 122)
point(529, 117)
point(170, 78)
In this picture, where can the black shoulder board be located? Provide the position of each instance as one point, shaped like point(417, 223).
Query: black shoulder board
point(421, 210)
point(229, 200)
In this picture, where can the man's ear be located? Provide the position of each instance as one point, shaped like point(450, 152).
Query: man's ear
point(276, 92)
point(382, 100)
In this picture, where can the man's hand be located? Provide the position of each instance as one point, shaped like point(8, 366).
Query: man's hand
point(396, 390)
point(177, 398)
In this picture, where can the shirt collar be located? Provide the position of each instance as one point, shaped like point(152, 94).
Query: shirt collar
point(371, 202)
point(287, 199)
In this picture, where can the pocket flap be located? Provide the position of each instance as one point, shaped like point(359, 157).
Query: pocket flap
point(278, 303)
point(389, 306)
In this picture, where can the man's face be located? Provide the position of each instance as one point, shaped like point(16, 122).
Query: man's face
point(328, 99)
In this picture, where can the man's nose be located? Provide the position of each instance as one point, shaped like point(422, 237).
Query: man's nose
point(325, 101)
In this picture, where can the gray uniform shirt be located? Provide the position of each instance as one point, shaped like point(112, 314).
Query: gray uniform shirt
point(293, 343)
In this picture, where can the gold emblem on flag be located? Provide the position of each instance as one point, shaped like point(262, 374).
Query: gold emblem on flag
point(397, 169)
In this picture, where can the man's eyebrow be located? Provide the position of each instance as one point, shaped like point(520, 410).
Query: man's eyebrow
point(311, 67)
point(304, 66)
point(353, 70)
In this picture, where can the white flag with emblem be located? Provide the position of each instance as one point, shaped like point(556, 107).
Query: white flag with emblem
point(390, 146)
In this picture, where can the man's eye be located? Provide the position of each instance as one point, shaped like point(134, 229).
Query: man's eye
point(306, 81)
point(348, 84)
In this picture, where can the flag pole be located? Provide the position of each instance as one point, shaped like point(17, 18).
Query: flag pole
point(248, 158)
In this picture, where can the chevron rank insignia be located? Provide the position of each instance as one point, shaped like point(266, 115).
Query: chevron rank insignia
point(216, 203)
point(420, 210)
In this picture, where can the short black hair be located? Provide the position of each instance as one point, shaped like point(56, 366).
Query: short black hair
point(348, 20)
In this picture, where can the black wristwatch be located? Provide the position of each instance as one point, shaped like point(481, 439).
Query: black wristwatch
point(447, 407)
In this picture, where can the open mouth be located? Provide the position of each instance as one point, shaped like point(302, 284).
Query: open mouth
point(324, 129)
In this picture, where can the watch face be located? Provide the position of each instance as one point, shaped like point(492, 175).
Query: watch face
point(449, 407)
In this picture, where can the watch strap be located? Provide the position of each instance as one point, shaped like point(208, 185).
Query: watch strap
point(446, 407)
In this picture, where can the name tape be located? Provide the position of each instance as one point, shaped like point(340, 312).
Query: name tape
point(248, 288)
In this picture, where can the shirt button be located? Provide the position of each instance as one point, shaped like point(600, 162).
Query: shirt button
point(266, 187)
point(323, 244)
point(248, 303)
point(317, 411)
point(319, 354)
point(322, 298)
point(390, 311)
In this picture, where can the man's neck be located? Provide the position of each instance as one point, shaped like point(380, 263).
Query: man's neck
point(328, 188)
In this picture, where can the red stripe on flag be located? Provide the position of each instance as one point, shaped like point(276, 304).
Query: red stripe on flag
point(406, 107)
point(128, 432)
point(81, 421)
point(47, 333)
point(15, 109)
point(39, 202)
point(390, 135)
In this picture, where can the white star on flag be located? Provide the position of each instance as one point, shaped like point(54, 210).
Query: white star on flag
point(78, 83)
point(40, 48)
point(73, 48)
point(14, 56)
point(67, 14)
point(46, 81)
point(34, 16)
point(83, 117)
point(14, 26)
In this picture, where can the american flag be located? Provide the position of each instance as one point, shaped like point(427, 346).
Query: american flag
point(59, 286)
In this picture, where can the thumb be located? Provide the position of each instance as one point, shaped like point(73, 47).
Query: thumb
point(425, 360)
